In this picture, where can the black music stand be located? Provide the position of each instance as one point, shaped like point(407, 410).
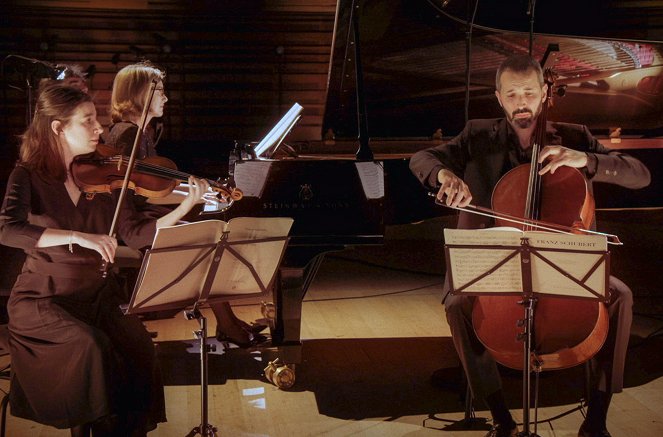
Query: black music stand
point(207, 262)
point(527, 264)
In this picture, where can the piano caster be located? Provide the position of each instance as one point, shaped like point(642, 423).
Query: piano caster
point(268, 310)
point(279, 374)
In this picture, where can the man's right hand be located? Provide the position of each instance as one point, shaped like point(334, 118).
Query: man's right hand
point(453, 191)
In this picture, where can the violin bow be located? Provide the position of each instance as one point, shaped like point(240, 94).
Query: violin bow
point(130, 165)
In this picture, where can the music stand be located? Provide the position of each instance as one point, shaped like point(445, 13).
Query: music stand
point(207, 262)
point(501, 261)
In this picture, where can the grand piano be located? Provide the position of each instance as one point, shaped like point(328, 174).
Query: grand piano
point(399, 82)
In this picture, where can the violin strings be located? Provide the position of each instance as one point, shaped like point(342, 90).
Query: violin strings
point(165, 172)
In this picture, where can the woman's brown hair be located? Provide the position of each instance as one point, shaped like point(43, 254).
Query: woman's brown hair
point(40, 148)
point(130, 87)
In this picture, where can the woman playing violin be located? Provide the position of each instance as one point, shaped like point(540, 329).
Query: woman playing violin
point(468, 167)
point(78, 362)
point(130, 88)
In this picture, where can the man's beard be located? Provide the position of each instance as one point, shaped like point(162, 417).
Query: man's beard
point(524, 123)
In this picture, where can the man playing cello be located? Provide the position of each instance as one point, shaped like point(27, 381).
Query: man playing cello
point(468, 167)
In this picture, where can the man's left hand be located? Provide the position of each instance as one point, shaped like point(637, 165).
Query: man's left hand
point(559, 156)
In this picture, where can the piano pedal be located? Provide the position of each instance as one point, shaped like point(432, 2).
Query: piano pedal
point(279, 374)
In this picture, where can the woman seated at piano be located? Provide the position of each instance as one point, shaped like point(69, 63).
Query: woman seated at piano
point(77, 361)
point(131, 87)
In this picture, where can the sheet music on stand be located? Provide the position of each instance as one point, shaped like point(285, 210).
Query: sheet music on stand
point(210, 261)
point(508, 261)
point(490, 261)
point(206, 262)
point(268, 145)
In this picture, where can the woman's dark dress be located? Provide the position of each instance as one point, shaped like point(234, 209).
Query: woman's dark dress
point(121, 137)
point(75, 357)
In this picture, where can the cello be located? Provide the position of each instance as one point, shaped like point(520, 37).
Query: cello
point(566, 331)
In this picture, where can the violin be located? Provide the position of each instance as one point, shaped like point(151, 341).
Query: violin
point(156, 176)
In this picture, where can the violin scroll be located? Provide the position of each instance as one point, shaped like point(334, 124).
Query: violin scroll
point(226, 190)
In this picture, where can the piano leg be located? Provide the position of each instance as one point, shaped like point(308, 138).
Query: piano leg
point(296, 274)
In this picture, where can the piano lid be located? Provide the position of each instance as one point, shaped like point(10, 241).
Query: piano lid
point(413, 54)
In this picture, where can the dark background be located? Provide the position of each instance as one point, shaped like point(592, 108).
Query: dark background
point(233, 68)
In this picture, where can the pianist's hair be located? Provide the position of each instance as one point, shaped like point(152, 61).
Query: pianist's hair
point(519, 64)
point(130, 87)
point(40, 148)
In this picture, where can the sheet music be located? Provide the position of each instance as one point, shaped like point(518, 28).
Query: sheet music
point(502, 236)
point(235, 277)
point(168, 277)
point(163, 268)
point(468, 264)
point(577, 265)
point(251, 176)
point(268, 144)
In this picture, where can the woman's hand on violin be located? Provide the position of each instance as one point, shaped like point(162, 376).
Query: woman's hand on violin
point(559, 156)
point(197, 190)
point(453, 190)
point(105, 245)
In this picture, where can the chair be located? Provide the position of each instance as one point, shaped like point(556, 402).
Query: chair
point(4, 374)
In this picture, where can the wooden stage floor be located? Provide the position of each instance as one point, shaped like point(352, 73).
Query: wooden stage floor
point(373, 333)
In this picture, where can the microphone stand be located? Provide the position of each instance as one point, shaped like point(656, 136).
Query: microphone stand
point(33, 69)
point(28, 101)
point(530, 12)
